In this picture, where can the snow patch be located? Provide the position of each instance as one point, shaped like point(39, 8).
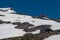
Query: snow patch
point(8, 30)
point(53, 37)
point(7, 10)
point(35, 32)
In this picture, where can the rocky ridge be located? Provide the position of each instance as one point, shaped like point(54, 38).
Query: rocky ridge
point(34, 28)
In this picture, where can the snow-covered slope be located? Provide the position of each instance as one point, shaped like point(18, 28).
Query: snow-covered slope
point(53, 37)
point(9, 30)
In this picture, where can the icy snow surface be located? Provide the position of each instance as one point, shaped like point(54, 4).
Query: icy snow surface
point(53, 37)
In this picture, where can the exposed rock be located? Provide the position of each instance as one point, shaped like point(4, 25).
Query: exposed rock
point(43, 16)
point(26, 27)
point(22, 25)
point(56, 19)
point(30, 30)
point(2, 15)
point(1, 22)
point(43, 28)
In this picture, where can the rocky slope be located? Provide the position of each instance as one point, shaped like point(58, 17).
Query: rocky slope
point(15, 26)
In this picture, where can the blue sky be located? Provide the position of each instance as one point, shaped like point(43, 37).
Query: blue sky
point(51, 8)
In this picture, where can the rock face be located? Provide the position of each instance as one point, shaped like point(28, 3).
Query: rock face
point(15, 26)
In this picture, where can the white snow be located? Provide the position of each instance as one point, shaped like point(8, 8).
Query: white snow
point(53, 37)
point(7, 10)
point(24, 18)
point(45, 18)
point(35, 32)
point(8, 30)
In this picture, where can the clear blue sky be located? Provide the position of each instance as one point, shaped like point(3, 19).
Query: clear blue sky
point(34, 7)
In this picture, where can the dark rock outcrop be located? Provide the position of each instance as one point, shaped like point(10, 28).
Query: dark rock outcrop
point(43, 28)
point(43, 16)
point(22, 25)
